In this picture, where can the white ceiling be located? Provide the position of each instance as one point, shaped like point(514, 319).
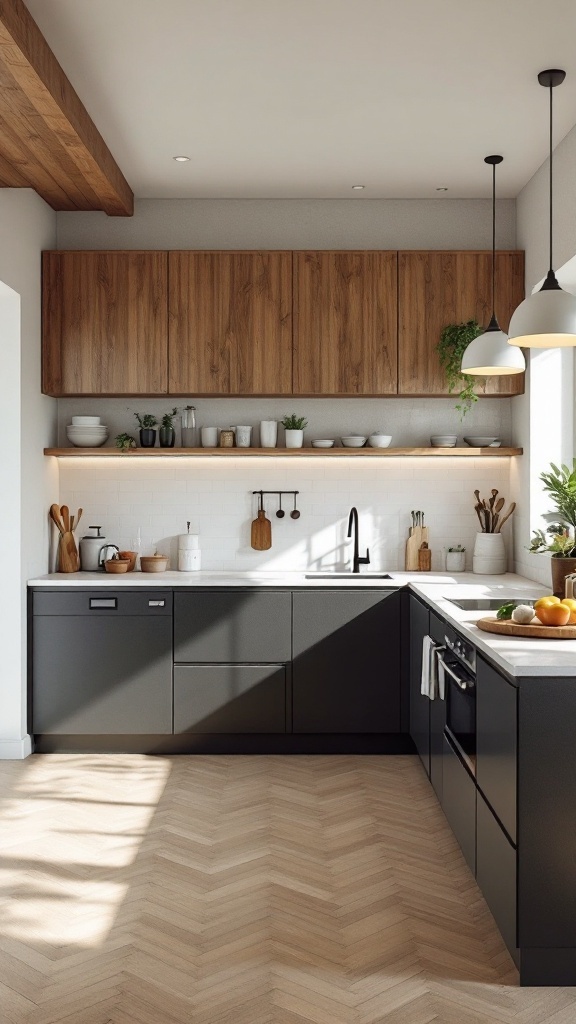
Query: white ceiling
point(304, 98)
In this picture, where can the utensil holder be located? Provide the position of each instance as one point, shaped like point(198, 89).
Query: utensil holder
point(455, 561)
point(489, 554)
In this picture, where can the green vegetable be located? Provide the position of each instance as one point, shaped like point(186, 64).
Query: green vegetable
point(505, 610)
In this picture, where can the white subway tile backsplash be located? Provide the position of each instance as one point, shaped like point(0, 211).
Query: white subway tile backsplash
point(215, 495)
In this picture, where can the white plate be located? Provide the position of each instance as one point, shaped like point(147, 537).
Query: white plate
point(95, 442)
point(483, 442)
point(323, 443)
point(85, 421)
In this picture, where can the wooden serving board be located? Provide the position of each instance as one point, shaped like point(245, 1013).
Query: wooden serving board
point(418, 536)
point(508, 628)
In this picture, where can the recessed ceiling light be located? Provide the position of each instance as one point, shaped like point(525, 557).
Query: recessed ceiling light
point(358, 186)
point(181, 159)
point(442, 188)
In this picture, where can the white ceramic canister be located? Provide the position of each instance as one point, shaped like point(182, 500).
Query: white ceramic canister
point(268, 433)
point(489, 554)
point(189, 554)
point(209, 437)
point(455, 561)
point(243, 436)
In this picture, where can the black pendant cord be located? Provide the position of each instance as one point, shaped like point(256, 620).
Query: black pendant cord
point(493, 241)
point(550, 268)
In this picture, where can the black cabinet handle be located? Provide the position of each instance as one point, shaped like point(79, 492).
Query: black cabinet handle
point(104, 602)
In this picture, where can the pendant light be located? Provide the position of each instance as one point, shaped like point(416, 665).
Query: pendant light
point(546, 319)
point(490, 355)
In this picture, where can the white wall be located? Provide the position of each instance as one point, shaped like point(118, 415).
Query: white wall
point(294, 224)
point(28, 226)
point(542, 402)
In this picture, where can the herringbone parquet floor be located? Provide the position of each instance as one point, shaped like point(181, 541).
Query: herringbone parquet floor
point(243, 890)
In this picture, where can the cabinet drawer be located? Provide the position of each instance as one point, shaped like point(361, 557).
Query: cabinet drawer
point(235, 627)
point(496, 740)
point(496, 872)
point(103, 602)
point(229, 698)
point(459, 802)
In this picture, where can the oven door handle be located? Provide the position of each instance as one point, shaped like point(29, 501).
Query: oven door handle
point(462, 682)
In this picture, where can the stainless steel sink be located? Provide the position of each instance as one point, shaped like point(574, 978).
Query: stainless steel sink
point(347, 576)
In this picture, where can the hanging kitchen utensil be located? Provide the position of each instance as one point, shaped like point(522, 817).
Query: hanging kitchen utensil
point(294, 513)
point(261, 529)
point(280, 513)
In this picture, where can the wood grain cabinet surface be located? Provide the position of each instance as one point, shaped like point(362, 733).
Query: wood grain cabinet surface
point(345, 323)
point(105, 323)
point(440, 288)
point(230, 323)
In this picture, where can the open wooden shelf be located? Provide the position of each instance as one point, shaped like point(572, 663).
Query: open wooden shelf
point(290, 453)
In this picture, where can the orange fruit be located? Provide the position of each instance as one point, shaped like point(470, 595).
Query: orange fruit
point(544, 602)
point(572, 606)
point(554, 614)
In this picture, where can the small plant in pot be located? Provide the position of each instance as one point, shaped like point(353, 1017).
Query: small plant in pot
point(559, 538)
point(147, 423)
point(294, 427)
point(125, 442)
point(454, 341)
point(167, 432)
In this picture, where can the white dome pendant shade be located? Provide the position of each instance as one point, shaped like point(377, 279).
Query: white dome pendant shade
point(490, 355)
point(546, 319)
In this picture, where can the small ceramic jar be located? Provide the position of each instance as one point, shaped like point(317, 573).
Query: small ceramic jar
point(226, 438)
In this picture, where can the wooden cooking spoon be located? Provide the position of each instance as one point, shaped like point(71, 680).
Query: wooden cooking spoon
point(65, 513)
point(55, 517)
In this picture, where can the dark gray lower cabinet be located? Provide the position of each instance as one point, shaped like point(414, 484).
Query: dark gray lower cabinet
point(346, 667)
point(419, 705)
point(437, 719)
point(459, 803)
point(232, 626)
point(102, 663)
point(497, 744)
point(496, 873)
point(229, 699)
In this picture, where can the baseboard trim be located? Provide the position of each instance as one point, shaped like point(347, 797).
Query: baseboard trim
point(15, 750)
point(187, 743)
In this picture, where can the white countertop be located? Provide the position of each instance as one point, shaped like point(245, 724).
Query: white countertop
point(515, 655)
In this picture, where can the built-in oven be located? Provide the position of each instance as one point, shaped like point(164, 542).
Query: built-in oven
point(457, 663)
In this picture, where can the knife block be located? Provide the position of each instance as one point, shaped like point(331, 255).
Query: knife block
point(68, 560)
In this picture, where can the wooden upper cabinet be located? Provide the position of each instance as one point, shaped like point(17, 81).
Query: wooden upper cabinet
point(230, 323)
point(440, 288)
point(345, 329)
point(105, 323)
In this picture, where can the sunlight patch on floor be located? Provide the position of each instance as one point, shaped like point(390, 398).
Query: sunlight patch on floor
point(65, 848)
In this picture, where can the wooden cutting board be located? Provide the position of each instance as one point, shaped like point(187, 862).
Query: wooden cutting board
point(508, 628)
point(261, 532)
point(418, 536)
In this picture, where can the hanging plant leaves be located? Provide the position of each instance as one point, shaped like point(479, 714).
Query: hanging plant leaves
point(454, 340)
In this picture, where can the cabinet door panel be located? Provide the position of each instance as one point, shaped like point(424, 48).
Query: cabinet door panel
point(229, 698)
point(230, 323)
point(102, 675)
point(105, 323)
point(440, 288)
point(345, 329)
point(346, 669)
point(459, 803)
point(419, 705)
point(496, 873)
point(496, 741)
point(232, 626)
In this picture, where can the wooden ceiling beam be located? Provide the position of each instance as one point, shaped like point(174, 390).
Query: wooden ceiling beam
point(62, 154)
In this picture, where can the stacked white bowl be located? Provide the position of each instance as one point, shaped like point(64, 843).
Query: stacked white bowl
point(87, 432)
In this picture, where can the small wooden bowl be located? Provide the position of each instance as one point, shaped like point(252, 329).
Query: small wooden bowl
point(131, 556)
point(154, 563)
point(116, 565)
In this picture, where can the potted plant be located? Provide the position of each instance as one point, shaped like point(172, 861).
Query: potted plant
point(294, 427)
point(147, 424)
point(124, 442)
point(167, 433)
point(454, 341)
point(560, 536)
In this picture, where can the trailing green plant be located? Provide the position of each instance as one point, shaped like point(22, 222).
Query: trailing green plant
point(124, 442)
point(454, 341)
point(147, 421)
point(294, 422)
point(168, 419)
point(560, 484)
